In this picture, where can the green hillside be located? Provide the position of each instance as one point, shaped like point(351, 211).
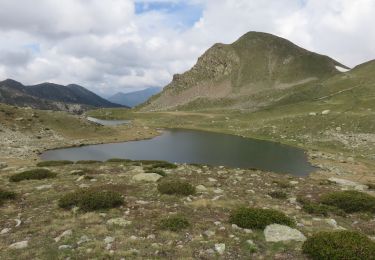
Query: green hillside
point(243, 75)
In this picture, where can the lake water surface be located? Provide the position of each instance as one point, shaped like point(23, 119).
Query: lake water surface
point(190, 146)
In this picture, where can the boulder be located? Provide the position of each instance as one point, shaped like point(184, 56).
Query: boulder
point(19, 245)
point(277, 233)
point(119, 222)
point(147, 177)
point(348, 184)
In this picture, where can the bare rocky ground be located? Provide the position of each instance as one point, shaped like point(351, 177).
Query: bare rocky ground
point(34, 227)
point(53, 233)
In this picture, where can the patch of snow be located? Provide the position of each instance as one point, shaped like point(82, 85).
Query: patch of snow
point(341, 69)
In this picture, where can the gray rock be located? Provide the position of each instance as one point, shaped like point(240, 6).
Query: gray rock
point(220, 248)
point(5, 231)
point(66, 233)
point(209, 233)
point(201, 188)
point(83, 239)
point(109, 240)
point(147, 177)
point(44, 187)
point(119, 222)
point(19, 245)
point(349, 184)
point(64, 247)
point(277, 233)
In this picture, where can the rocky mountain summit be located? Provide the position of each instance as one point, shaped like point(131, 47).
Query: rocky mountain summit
point(241, 74)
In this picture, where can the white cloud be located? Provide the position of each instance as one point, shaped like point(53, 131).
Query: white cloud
point(107, 46)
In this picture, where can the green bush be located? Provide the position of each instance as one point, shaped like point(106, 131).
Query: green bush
point(175, 223)
point(259, 218)
point(53, 163)
point(118, 160)
point(176, 187)
point(91, 199)
point(278, 195)
point(88, 162)
point(159, 164)
point(283, 184)
point(319, 209)
point(6, 195)
point(36, 174)
point(339, 245)
point(350, 201)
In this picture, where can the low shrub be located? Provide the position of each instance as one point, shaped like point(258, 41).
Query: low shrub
point(88, 162)
point(159, 164)
point(339, 245)
point(91, 199)
point(371, 186)
point(176, 187)
point(259, 218)
point(175, 223)
point(36, 174)
point(278, 195)
point(118, 160)
point(283, 184)
point(319, 209)
point(6, 195)
point(53, 163)
point(350, 201)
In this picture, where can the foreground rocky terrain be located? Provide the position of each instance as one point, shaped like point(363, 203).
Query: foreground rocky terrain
point(34, 226)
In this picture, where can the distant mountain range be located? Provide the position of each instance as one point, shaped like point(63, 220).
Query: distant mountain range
point(72, 98)
point(135, 98)
point(247, 74)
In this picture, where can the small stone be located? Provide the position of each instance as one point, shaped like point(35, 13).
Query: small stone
point(220, 248)
point(147, 177)
point(218, 191)
point(209, 233)
point(234, 226)
point(152, 236)
point(5, 231)
point(83, 239)
point(64, 247)
point(277, 233)
point(312, 114)
point(201, 188)
point(19, 245)
point(44, 187)
point(248, 231)
point(66, 233)
point(119, 222)
point(326, 112)
point(80, 178)
point(133, 237)
point(212, 180)
point(293, 182)
point(109, 240)
point(217, 223)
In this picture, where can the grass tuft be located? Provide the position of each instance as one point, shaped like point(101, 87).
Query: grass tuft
point(350, 201)
point(259, 218)
point(6, 195)
point(339, 245)
point(91, 199)
point(53, 163)
point(36, 174)
point(176, 187)
point(176, 223)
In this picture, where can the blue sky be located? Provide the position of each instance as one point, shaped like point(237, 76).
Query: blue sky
point(182, 13)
